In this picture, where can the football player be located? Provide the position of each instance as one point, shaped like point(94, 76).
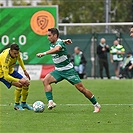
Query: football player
point(9, 76)
point(63, 69)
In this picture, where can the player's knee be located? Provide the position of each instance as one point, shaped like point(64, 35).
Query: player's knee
point(17, 84)
point(81, 88)
point(18, 89)
point(45, 82)
point(25, 87)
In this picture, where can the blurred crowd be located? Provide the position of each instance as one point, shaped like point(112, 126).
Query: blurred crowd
point(121, 60)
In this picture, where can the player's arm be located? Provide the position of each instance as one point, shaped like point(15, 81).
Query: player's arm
point(5, 68)
point(67, 41)
point(21, 63)
point(51, 51)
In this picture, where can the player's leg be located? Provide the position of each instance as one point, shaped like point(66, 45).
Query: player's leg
point(20, 92)
point(88, 94)
point(17, 92)
point(24, 94)
point(50, 78)
point(74, 79)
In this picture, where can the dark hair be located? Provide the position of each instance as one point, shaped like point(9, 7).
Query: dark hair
point(54, 31)
point(14, 47)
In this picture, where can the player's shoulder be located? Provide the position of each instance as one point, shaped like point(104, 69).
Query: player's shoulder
point(5, 52)
point(6, 49)
point(59, 42)
point(5, 55)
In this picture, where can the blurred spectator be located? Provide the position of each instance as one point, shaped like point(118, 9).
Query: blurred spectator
point(102, 50)
point(79, 62)
point(116, 56)
point(131, 31)
point(127, 67)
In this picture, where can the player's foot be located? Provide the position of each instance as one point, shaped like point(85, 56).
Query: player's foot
point(18, 107)
point(51, 104)
point(25, 105)
point(117, 78)
point(97, 108)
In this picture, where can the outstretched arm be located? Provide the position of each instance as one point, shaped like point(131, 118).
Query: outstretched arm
point(67, 41)
point(51, 51)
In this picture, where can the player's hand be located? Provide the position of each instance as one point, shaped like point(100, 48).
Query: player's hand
point(24, 82)
point(26, 74)
point(40, 54)
point(68, 41)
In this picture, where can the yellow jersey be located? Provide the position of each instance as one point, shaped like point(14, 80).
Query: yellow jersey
point(7, 64)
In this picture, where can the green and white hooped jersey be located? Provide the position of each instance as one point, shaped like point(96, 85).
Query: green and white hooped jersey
point(114, 49)
point(60, 58)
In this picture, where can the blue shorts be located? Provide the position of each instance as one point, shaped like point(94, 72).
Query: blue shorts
point(15, 74)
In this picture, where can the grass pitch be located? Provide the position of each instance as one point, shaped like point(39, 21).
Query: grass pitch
point(74, 113)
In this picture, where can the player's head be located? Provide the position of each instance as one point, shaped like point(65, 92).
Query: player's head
point(131, 31)
point(14, 50)
point(53, 34)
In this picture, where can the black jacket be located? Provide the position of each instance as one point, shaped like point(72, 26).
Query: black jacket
point(102, 54)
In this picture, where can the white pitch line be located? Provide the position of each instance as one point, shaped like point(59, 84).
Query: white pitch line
point(79, 104)
point(100, 104)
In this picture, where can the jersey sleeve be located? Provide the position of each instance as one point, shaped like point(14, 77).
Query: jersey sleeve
point(122, 49)
point(5, 68)
point(60, 43)
point(111, 50)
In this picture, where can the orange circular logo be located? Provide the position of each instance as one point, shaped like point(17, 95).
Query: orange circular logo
point(41, 21)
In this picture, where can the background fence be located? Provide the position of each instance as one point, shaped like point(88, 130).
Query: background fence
point(88, 44)
point(84, 35)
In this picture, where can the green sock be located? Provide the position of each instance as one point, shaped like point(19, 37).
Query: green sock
point(49, 95)
point(93, 100)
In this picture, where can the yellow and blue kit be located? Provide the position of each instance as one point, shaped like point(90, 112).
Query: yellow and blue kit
point(7, 72)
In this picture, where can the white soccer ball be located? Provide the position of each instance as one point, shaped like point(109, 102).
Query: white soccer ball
point(38, 106)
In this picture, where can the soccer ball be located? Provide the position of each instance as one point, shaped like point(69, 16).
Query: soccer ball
point(38, 106)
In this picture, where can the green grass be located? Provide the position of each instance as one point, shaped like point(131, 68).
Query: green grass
point(74, 113)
